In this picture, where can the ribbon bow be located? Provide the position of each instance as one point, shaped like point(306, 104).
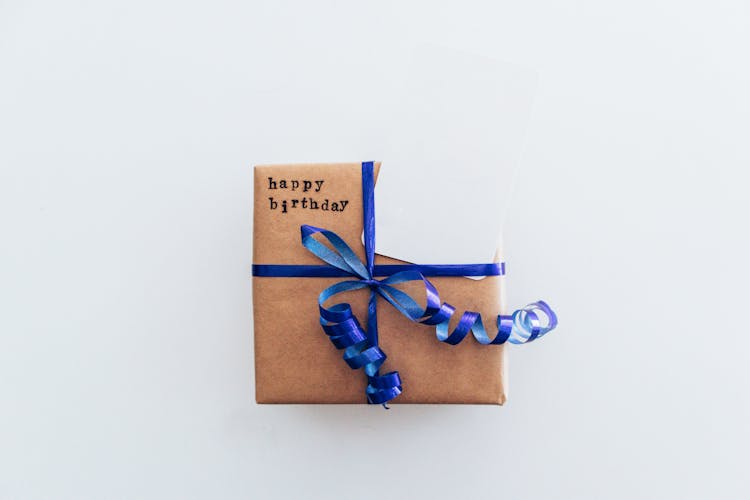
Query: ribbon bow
point(361, 349)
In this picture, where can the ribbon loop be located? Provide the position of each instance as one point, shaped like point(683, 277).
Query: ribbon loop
point(341, 257)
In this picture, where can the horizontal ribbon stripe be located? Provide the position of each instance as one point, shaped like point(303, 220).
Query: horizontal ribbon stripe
point(313, 271)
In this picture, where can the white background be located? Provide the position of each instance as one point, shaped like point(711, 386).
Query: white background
point(127, 132)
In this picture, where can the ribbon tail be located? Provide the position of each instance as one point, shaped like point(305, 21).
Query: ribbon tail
point(380, 388)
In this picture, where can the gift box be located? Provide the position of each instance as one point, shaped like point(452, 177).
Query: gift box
point(295, 260)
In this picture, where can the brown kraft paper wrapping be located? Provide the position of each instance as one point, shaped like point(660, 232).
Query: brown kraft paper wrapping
point(294, 360)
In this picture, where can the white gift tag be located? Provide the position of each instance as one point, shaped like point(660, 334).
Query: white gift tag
point(457, 133)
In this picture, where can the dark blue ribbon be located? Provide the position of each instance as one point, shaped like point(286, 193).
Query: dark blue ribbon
point(361, 349)
point(309, 271)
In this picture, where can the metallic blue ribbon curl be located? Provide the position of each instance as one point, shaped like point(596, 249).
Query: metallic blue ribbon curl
point(361, 349)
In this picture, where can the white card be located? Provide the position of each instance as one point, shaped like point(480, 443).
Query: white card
point(457, 130)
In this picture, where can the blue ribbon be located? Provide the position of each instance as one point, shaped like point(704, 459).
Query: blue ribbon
point(308, 271)
point(361, 349)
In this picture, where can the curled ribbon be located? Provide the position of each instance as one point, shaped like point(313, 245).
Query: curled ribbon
point(345, 331)
point(361, 349)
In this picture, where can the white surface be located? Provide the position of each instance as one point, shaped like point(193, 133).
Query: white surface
point(456, 127)
point(128, 132)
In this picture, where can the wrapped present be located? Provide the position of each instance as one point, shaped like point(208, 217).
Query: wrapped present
point(321, 294)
